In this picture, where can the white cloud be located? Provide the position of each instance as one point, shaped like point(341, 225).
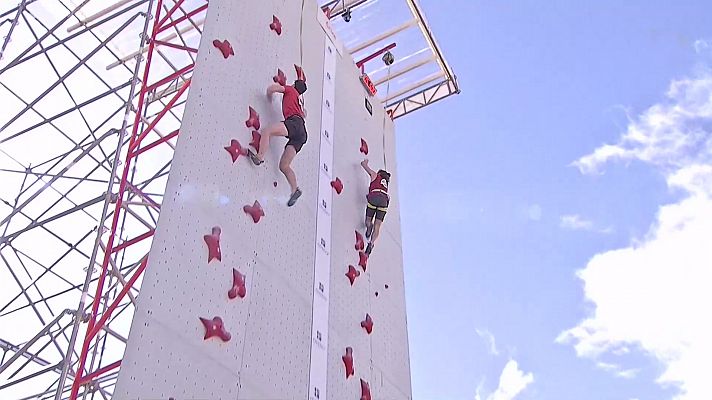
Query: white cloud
point(512, 382)
point(627, 373)
point(701, 46)
point(479, 389)
point(534, 212)
point(488, 337)
point(654, 295)
point(617, 370)
point(575, 222)
point(589, 164)
point(669, 135)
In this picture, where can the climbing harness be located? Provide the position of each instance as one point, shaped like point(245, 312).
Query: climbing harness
point(369, 205)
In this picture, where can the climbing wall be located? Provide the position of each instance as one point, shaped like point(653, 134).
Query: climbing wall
point(244, 297)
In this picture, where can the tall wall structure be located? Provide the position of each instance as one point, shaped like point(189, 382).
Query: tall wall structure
point(299, 313)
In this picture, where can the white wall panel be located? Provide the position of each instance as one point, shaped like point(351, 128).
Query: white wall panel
point(295, 284)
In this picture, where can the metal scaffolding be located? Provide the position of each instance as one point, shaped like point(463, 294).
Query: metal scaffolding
point(92, 99)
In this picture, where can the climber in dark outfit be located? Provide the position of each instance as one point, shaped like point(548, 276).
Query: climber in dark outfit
point(292, 128)
point(376, 203)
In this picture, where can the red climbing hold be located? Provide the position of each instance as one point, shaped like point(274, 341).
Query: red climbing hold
point(337, 185)
point(359, 241)
point(276, 25)
point(213, 242)
point(225, 47)
point(238, 285)
point(300, 73)
point(280, 78)
point(235, 149)
point(255, 211)
point(254, 120)
point(214, 327)
point(364, 147)
point(352, 274)
point(362, 260)
point(256, 140)
point(367, 324)
point(348, 359)
point(327, 11)
point(365, 391)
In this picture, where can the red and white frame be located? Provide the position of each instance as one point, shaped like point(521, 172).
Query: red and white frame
point(143, 130)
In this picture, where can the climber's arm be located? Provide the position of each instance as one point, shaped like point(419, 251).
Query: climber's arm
point(371, 173)
point(274, 88)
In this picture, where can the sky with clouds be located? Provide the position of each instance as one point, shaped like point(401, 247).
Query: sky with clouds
point(557, 215)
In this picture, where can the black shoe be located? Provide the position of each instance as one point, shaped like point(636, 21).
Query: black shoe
point(254, 158)
point(293, 198)
point(369, 231)
point(369, 248)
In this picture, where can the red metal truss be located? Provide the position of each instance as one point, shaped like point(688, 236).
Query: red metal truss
point(143, 127)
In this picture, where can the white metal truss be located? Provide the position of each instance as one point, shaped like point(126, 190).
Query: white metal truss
point(418, 68)
point(71, 75)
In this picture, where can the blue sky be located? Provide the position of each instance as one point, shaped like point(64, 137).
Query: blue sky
point(498, 219)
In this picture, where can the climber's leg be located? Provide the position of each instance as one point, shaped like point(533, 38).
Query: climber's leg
point(297, 135)
point(376, 229)
point(276, 129)
point(286, 168)
point(285, 163)
point(378, 203)
point(370, 213)
point(376, 232)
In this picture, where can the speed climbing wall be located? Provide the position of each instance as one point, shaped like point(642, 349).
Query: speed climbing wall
point(244, 297)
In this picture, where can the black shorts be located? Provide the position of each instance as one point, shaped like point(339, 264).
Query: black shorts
point(296, 132)
point(377, 205)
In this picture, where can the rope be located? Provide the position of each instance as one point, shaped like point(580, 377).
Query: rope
point(301, 37)
point(385, 114)
point(301, 49)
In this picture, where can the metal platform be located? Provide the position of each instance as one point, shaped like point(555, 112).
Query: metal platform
point(420, 74)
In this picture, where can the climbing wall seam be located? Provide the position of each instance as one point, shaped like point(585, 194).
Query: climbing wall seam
point(322, 263)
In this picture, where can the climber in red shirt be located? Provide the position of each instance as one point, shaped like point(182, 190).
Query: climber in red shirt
point(292, 128)
point(376, 203)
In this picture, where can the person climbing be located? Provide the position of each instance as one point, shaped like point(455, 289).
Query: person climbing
point(293, 128)
point(376, 203)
